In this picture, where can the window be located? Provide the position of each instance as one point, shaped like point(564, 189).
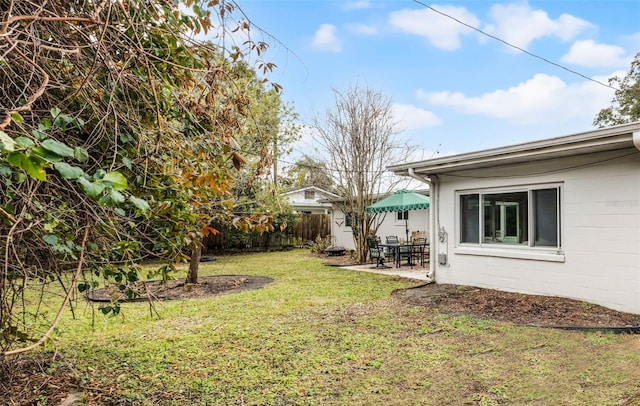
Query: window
point(347, 219)
point(528, 217)
point(309, 194)
point(403, 215)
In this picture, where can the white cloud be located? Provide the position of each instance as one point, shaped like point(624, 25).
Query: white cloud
point(519, 24)
point(588, 53)
point(410, 117)
point(542, 98)
point(363, 29)
point(440, 31)
point(326, 39)
point(356, 5)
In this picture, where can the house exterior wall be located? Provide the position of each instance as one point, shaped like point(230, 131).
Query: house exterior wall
point(599, 258)
point(301, 204)
point(389, 225)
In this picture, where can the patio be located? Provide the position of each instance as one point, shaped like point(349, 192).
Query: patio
point(415, 272)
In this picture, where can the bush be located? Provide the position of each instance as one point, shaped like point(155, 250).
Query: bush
point(320, 244)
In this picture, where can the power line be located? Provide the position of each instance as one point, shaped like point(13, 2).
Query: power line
point(514, 46)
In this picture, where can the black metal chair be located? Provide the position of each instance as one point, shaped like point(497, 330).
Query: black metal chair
point(376, 252)
point(419, 251)
point(400, 251)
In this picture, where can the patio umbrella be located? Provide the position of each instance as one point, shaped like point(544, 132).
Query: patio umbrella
point(402, 200)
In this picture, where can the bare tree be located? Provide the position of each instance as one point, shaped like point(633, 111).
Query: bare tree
point(358, 139)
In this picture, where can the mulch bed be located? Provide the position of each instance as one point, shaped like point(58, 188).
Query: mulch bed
point(178, 289)
point(516, 308)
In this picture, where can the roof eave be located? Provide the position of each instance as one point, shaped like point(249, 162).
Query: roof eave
point(605, 139)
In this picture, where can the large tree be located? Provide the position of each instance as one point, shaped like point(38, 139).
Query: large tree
point(358, 139)
point(625, 106)
point(118, 141)
point(308, 171)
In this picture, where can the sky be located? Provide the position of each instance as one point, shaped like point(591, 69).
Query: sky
point(454, 89)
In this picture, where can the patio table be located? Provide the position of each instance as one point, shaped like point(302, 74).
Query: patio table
point(398, 250)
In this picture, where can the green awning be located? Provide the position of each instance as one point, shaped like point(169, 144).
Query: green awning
point(402, 200)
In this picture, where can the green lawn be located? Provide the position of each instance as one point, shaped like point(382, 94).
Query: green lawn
point(323, 335)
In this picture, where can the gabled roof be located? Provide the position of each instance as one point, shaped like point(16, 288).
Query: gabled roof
point(600, 140)
point(314, 188)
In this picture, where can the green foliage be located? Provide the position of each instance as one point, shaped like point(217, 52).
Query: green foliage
point(308, 171)
point(625, 106)
point(120, 123)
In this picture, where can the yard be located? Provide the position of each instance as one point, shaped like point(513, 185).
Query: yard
point(318, 335)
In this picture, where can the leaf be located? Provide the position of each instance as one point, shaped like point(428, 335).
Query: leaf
point(17, 118)
point(117, 179)
point(24, 142)
point(68, 171)
point(55, 112)
point(7, 144)
point(50, 239)
point(116, 196)
point(81, 154)
point(127, 162)
point(57, 147)
point(93, 189)
point(45, 154)
point(139, 203)
point(33, 169)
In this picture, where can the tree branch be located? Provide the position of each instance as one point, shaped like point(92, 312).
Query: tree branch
point(56, 320)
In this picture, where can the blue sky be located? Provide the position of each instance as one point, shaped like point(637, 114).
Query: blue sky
point(454, 90)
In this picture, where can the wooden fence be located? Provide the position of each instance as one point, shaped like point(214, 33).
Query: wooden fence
point(308, 228)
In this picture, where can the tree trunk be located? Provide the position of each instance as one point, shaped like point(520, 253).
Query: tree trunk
point(194, 264)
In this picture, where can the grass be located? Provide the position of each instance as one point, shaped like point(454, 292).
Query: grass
point(323, 335)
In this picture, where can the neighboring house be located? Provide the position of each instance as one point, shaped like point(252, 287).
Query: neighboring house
point(310, 200)
point(556, 217)
point(389, 224)
point(314, 213)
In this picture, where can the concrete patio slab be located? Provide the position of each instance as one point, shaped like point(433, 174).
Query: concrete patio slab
point(404, 272)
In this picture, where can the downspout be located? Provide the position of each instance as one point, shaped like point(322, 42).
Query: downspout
point(636, 140)
point(432, 219)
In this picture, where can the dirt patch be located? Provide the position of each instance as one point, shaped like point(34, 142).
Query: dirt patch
point(517, 308)
point(177, 289)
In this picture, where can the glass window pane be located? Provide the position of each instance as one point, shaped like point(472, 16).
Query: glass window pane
point(470, 219)
point(505, 218)
point(546, 217)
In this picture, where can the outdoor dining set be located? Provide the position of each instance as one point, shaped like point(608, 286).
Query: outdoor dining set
point(414, 250)
point(398, 251)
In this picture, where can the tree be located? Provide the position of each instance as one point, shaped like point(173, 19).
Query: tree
point(625, 106)
point(118, 142)
point(308, 171)
point(358, 139)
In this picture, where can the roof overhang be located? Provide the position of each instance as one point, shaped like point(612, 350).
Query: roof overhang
point(600, 140)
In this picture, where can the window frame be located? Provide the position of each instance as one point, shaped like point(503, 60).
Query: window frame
point(526, 251)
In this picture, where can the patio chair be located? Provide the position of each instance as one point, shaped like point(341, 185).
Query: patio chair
point(419, 251)
point(376, 252)
point(401, 251)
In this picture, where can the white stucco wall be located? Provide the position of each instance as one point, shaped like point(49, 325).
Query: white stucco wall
point(342, 235)
point(599, 260)
point(300, 203)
